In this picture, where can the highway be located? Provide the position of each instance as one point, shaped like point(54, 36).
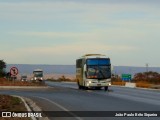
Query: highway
point(66, 97)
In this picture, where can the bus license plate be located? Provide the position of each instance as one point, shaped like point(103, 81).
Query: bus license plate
point(98, 84)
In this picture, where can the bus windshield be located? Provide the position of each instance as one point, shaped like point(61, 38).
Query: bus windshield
point(38, 74)
point(98, 62)
point(98, 69)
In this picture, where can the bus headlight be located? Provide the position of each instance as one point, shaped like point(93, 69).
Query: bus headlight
point(89, 82)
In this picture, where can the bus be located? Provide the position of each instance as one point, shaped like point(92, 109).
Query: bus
point(93, 71)
point(38, 75)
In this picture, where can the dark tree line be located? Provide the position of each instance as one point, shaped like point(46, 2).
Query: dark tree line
point(151, 77)
point(2, 68)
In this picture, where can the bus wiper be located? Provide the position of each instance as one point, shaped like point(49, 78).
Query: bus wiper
point(100, 71)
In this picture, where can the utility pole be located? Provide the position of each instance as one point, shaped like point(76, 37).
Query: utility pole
point(147, 70)
point(146, 67)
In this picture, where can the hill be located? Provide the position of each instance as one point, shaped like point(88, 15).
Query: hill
point(71, 69)
point(48, 69)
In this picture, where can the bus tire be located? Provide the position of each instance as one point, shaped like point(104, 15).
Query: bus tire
point(97, 88)
point(106, 88)
point(79, 86)
point(86, 88)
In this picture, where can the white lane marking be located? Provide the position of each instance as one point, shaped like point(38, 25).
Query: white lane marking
point(27, 107)
point(61, 107)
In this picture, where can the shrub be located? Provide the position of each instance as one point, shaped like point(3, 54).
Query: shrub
point(121, 83)
point(143, 84)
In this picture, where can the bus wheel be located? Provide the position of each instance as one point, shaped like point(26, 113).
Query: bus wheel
point(106, 88)
point(79, 86)
point(86, 88)
point(97, 88)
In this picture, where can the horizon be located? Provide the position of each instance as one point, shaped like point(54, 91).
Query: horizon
point(75, 65)
point(71, 69)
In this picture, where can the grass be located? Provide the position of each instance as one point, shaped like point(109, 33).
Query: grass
point(14, 104)
point(5, 82)
point(121, 83)
point(9, 103)
point(143, 85)
point(62, 79)
point(140, 84)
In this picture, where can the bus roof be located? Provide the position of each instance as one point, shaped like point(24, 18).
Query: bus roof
point(38, 70)
point(94, 56)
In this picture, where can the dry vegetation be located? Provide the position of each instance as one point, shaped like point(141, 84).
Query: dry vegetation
point(138, 84)
point(6, 82)
point(115, 81)
point(62, 79)
point(147, 79)
point(13, 104)
point(121, 83)
point(143, 85)
point(144, 80)
point(9, 103)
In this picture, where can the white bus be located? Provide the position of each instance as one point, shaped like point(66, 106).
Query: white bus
point(93, 71)
point(38, 75)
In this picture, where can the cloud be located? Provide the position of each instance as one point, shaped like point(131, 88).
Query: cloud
point(61, 54)
point(78, 48)
point(121, 35)
point(45, 29)
point(89, 11)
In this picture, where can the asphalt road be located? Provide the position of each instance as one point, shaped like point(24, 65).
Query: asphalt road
point(67, 97)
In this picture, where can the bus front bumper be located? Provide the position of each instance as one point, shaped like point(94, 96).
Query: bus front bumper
point(97, 83)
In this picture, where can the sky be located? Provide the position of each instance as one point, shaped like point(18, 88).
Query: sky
point(60, 31)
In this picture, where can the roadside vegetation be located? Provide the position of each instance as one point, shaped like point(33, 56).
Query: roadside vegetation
point(2, 68)
point(145, 80)
point(61, 79)
point(7, 82)
point(9, 103)
point(14, 104)
point(116, 80)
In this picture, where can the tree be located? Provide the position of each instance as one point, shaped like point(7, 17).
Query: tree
point(151, 77)
point(2, 67)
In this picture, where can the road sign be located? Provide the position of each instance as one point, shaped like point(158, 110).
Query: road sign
point(126, 77)
point(14, 71)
